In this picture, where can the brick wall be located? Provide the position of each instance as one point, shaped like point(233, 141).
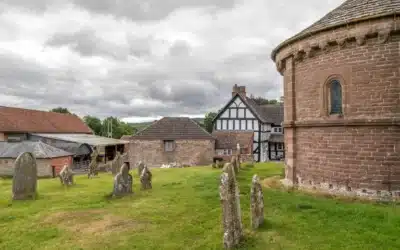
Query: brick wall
point(43, 167)
point(358, 153)
point(59, 163)
point(196, 152)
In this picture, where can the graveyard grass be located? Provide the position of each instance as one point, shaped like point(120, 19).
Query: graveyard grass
point(183, 211)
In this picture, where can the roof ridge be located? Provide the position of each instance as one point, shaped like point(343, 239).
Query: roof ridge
point(148, 126)
point(198, 125)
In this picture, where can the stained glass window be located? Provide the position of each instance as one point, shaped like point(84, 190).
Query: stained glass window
point(336, 97)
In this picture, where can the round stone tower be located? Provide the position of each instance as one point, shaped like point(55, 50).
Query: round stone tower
point(342, 101)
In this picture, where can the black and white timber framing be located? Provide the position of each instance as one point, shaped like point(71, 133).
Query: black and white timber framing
point(237, 114)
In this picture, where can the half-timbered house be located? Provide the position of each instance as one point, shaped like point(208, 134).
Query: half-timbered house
point(242, 113)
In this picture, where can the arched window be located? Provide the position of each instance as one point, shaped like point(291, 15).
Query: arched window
point(335, 89)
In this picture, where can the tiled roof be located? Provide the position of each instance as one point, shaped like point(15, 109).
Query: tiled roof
point(349, 11)
point(270, 113)
point(230, 139)
point(36, 121)
point(173, 128)
point(39, 149)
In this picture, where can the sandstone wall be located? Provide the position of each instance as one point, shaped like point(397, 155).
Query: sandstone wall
point(194, 152)
point(357, 152)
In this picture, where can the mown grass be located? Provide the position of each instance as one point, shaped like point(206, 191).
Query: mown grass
point(182, 211)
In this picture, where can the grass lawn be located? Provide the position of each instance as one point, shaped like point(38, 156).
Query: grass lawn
point(183, 212)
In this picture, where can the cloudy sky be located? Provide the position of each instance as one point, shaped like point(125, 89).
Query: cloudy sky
point(136, 59)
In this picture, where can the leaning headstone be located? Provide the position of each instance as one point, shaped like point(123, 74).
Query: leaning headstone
point(140, 167)
point(116, 163)
point(256, 203)
point(66, 176)
point(93, 171)
point(123, 182)
point(145, 178)
point(230, 201)
point(25, 177)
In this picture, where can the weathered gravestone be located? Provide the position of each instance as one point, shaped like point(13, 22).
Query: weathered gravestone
point(230, 201)
point(93, 171)
point(66, 176)
point(145, 178)
point(25, 177)
point(234, 162)
point(256, 203)
point(123, 182)
point(116, 163)
point(140, 167)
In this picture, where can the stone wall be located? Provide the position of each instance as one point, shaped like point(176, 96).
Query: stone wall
point(194, 152)
point(358, 152)
point(43, 167)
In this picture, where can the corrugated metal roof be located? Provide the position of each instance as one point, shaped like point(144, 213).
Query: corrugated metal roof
point(39, 149)
point(92, 140)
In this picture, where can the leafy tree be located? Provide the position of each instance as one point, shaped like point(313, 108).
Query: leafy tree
point(60, 110)
point(119, 128)
point(94, 123)
point(209, 117)
point(262, 101)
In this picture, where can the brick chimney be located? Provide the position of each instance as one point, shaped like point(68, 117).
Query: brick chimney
point(238, 89)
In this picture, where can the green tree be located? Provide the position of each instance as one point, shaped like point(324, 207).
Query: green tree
point(262, 101)
point(94, 123)
point(60, 110)
point(208, 121)
point(119, 128)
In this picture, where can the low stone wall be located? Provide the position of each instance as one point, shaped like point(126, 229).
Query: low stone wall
point(43, 167)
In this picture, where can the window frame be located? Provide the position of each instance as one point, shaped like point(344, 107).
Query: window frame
point(326, 97)
point(169, 142)
point(330, 99)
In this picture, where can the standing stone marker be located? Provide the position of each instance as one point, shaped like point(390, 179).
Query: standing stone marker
point(140, 167)
point(256, 203)
point(66, 176)
point(25, 177)
point(145, 178)
point(230, 201)
point(93, 164)
point(116, 163)
point(123, 182)
point(234, 163)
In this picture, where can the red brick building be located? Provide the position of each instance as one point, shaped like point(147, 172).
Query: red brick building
point(226, 144)
point(342, 100)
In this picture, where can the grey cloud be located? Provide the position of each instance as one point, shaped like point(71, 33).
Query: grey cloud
point(146, 10)
point(87, 43)
point(184, 81)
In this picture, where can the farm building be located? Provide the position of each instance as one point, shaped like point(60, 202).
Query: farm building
point(64, 131)
point(172, 139)
point(50, 160)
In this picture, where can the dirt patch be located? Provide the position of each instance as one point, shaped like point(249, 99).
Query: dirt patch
point(96, 222)
point(272, 182)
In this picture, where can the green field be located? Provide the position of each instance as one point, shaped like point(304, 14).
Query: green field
point(183, 212)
